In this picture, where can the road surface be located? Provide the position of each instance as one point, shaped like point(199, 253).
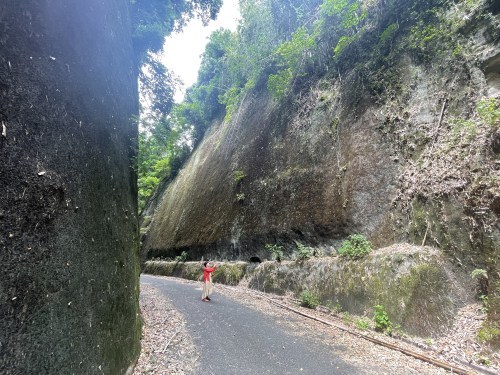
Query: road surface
point(234, 339)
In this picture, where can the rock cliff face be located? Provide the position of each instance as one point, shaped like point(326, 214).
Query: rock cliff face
point(68, 239)
point(401, 152)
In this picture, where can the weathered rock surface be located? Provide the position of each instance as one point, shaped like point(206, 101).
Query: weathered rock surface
point(68, 239)
point(418, 288)
point(393, 147)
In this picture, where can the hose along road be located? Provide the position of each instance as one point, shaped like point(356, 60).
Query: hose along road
point(235, 339)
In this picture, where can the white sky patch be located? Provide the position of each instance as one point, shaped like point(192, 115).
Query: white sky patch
point(182, 51)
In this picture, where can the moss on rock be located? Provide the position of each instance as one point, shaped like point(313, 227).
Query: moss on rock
point(420, 291)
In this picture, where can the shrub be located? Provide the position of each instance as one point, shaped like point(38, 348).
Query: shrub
point(463, 128)
point(238, 176)
point(489, 332)
point(346, 317)
point(485, 361)
point(486, 305)
point(482, 277)
point(335, 308)
point(276, 251)
point(278, 84)
point(181, 258)
point(303, 252)
point(309, 299)
point(478, 273)
point(362, 324)
point(489, 111)
point(356, 246)
point(388, 33)
point(342, 44)
point(381, 318)
point(229, 274)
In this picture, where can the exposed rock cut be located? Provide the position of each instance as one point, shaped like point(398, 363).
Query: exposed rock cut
point(68, 239)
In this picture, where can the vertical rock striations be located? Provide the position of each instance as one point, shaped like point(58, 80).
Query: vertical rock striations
point(68, 239)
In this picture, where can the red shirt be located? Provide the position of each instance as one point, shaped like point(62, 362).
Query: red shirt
point(207, 271)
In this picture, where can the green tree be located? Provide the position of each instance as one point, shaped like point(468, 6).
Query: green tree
point(161, 154)
point(292, 55)
point(162, 126)
point(153, 20)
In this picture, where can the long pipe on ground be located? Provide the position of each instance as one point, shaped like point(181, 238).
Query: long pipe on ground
point(454, 369)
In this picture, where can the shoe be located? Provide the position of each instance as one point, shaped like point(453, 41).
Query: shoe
point(204, 300)
point(209, 298)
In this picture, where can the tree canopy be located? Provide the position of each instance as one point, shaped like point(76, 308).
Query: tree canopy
point(153, 20)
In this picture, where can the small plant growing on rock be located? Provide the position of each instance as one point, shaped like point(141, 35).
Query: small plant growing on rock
point(486, 305)
point(489, 111)
point(381, 318)
point(428, 342)
point(356, 246)
point(388, 33)
point(309, 299)
point(240, 197)
point(335, 308)
point(485, 361)
point(239, 176)
point(346, 317)
point(362, 324)
point(276, 251)
point(489, 332)
point(482, 278)
point(181, 258)
point(303, 252)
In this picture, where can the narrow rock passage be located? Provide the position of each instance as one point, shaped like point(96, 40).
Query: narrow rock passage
point(234, 339)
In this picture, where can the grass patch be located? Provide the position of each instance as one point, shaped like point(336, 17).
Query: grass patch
point(309, 299)
point(229, 274)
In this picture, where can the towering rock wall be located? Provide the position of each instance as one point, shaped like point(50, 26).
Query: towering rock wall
point(400, 143)
point(68, 239)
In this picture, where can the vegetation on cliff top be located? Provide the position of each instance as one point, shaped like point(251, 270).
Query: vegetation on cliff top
point(279, 44)
point(160, 150)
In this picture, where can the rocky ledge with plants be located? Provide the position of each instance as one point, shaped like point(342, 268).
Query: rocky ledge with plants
point(401, 291)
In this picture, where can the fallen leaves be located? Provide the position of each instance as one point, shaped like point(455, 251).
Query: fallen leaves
point(167, 349)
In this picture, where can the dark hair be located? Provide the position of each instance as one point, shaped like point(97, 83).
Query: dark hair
point(205, 263)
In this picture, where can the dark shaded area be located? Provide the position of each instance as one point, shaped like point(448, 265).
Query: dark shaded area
point(494, 6)
point(68, 240)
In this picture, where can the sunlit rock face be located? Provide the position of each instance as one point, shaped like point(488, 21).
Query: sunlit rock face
point(399, 151)
point(351, 151)
point(68, 239)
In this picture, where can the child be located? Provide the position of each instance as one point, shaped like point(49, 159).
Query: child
point(207, 281)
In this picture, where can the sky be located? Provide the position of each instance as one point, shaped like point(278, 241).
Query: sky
point(182, 51)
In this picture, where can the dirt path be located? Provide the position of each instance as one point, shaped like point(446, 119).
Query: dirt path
point(249, 335)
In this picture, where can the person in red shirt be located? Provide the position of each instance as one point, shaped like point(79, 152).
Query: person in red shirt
point(207, 281)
